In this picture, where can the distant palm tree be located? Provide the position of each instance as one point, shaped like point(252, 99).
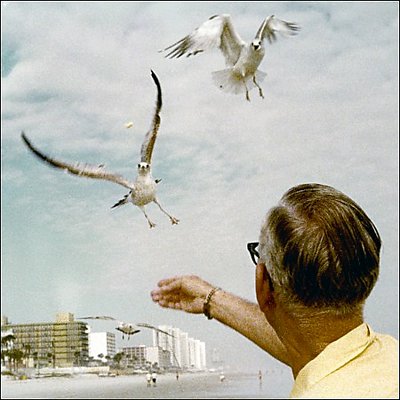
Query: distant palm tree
point(3, 357)
point(27, 353)
point(16, 355)
point(7, 340)
point(118, 357)
point(6, 345)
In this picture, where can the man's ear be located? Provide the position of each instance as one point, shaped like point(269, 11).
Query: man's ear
point(264, 289)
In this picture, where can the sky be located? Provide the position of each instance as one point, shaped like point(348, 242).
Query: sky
point(73, 73)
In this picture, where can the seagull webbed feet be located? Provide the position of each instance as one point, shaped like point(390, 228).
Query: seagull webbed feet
point(152, 224)
point(174, 220)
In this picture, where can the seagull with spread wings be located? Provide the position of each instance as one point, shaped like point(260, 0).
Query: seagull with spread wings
point(242, 58)
point(143, 190)
point(127, 328)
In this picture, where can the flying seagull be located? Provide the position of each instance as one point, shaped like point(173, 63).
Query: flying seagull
point(242, 58)
point(128, 328)
point(143, 190)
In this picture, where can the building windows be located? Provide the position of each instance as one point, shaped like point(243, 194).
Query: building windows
point(51, 338)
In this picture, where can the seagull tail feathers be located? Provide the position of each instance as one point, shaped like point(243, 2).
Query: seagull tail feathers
point(231, 82)
point(122, 201)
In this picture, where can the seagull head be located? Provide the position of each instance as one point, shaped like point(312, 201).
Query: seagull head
point(143, 168)
point(256, 44)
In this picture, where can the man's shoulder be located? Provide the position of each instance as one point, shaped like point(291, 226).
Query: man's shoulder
point(389, 339)
point(370, 370)
point(386, 346)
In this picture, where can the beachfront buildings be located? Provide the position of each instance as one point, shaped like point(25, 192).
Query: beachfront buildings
point(146, 357)
point(197, 354)
point(101, 345)
point(159, 356)
point(186, 352)
point(63, 343)
point(67, 343)
point(174, 350)
point(136, 356)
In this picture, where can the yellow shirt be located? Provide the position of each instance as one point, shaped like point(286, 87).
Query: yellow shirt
point(361, 364)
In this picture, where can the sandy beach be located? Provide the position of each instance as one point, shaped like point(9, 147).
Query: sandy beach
point(196, 385)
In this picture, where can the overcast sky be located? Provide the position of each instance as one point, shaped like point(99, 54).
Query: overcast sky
point(74, 73)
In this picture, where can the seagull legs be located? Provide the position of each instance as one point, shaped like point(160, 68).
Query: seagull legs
point(152, 224)
point(259, 88)
point(247, 90)
point(174, 221)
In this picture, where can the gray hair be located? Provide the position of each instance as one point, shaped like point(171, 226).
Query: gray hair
point(320, 249)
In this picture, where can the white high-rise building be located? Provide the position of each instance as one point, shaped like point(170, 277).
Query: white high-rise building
point(170, 343)
point(186, 352)
point(197, 347)
point(192, 353)
point(159, 356)
point(203, 359)
point(197, 354)
point(184, 345)
point(101, 343)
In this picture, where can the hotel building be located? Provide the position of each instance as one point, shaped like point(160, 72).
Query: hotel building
point(145, 357)
point(186, 352)
point(63, 343)
point(101, 343)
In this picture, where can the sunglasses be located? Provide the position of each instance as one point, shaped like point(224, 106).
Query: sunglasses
point(254, 254)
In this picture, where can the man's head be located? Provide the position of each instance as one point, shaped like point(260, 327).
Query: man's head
point(320, 249)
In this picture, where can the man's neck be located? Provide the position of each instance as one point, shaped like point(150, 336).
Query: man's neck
point(306, 334)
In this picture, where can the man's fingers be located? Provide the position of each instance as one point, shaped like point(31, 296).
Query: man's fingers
point(169, 304)
point(165, 282)
point(169, 297)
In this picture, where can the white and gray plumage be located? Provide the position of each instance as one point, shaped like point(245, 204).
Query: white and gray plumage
point(127, 328)
point(143, 190)
point(242, 58)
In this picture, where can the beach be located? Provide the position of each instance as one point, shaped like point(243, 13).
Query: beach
point(189, 385)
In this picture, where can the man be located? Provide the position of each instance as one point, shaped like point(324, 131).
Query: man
point(148, 379)
point(317, 261)
point(154, 378)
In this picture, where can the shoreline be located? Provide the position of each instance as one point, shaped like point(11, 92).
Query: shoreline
point(189, 385)
point(131, 376)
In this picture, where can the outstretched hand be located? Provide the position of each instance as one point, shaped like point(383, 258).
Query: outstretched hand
point(186, 293)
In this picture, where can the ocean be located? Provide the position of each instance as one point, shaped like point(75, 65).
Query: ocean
point(194, 386)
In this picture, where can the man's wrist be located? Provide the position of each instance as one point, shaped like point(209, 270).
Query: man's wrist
point(206, 304)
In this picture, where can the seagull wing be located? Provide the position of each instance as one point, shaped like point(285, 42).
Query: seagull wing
point(104, 317)
point(85, 170)
point(150, 138)
point(217, 32)
point(144, 325)
point(271, 25)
